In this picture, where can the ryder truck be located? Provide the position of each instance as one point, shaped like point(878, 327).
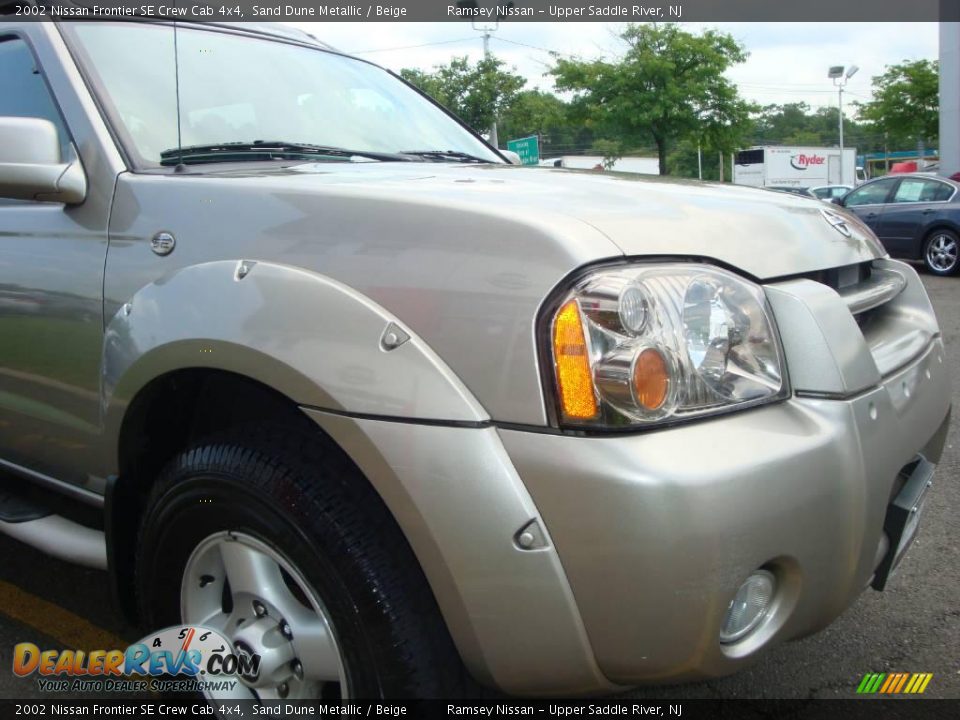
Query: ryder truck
point(796, 167)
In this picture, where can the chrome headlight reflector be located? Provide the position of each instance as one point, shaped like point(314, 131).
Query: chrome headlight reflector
point(645, 344)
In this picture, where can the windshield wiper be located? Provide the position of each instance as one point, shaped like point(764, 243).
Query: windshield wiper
point(266, 150)
point(440, 155)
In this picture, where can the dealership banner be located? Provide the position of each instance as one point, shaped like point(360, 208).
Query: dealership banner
point(490, 11)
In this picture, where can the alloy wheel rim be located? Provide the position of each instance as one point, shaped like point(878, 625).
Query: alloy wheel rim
point(942, 253)
point(256, 598)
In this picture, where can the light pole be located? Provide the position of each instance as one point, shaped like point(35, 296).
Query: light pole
point(840, 78)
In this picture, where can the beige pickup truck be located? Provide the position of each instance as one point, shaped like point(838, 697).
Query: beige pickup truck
point(296, 356)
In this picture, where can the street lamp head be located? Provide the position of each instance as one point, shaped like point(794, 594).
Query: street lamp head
point(836, 71)
point(851, 71)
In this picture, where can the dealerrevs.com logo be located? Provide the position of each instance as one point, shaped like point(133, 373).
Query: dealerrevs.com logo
point(802, 161)
point(185, 658)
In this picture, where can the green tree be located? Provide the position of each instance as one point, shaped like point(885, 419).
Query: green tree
point(797, 124)
point(477, 93)
point(781, 124)
point(667, 86)
point(533, 112)
point(906, 102)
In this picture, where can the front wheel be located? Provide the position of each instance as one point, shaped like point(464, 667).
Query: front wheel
point(276, 541)
point(941, 252)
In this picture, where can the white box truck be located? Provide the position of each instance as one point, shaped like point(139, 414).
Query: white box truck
point(780, 166)
point(639, 165)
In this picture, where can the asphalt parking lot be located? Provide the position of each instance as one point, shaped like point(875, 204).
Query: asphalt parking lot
point(912, 627)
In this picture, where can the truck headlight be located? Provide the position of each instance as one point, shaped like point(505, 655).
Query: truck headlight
point(638, 345)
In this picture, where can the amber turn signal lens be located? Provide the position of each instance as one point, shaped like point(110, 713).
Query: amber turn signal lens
point(574, 380)
point(651, 379)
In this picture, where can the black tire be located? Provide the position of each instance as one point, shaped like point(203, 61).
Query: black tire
point(941, 252)
point(302, 496)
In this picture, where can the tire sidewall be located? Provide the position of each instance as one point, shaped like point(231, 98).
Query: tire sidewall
point(198, 504)
point(926, 247)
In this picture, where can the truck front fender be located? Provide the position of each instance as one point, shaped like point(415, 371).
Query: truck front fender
point(315, 340)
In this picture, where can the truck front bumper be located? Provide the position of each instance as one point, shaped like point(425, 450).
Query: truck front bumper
point(570, 564)
point(656, 531)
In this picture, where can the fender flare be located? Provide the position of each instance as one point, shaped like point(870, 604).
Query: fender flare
point(303, 334)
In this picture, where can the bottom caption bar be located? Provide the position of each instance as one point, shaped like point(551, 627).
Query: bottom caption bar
point(427, 709)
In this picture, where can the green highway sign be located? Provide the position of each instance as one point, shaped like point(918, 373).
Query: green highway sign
point(527, 148)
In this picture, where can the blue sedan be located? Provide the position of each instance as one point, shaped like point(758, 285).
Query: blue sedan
point(916, 217)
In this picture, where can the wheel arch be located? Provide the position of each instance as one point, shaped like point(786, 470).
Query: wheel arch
point(939, 225)
point(313, 339)
point(170, 413)
point(226, 342)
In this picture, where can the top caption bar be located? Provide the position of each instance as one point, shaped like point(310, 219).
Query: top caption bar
point(488, 11)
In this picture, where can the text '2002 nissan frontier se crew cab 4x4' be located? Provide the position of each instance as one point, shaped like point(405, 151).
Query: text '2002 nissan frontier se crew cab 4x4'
point(299, 358)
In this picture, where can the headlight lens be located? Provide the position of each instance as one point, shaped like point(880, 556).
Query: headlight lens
point(647, 344)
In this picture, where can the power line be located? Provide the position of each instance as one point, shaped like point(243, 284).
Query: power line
point(528, 45)
point(409, 47)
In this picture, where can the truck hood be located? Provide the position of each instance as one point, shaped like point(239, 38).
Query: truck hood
point(762, 233)
point(463, 255)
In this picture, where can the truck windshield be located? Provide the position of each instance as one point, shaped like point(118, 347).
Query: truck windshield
point(244, 89)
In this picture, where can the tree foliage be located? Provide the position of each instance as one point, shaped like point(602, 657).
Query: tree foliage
point(667, 92)
point(535, 112)
point(668, 85)
point(476, 92)
point(906, 103)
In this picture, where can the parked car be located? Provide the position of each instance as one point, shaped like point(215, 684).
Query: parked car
point(915, 216)
point(801, 191)
point(829, 192)
point(397, 417)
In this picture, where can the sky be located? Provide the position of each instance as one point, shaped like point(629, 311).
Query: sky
point(787, 61)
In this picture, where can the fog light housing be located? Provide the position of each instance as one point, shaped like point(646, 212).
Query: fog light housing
point(749, 606)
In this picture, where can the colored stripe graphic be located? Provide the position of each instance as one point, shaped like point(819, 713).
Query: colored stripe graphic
point(871, 683)
point(890, 681)
point(894, 683)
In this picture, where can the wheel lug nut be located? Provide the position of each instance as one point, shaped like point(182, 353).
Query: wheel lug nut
point(283, 690)
point(286, 631)
point(297, 668)
point(259, 608)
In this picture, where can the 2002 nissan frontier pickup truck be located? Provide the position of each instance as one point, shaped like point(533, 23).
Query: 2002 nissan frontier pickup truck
point(298, 357)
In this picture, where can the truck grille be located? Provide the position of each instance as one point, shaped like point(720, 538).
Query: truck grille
point(880, 287)
point(862, 287)
point(872, 292)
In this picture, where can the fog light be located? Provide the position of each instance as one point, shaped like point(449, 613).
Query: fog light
point(749, 606)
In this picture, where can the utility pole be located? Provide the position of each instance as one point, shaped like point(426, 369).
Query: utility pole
point(488, 28)
point(699, 162)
